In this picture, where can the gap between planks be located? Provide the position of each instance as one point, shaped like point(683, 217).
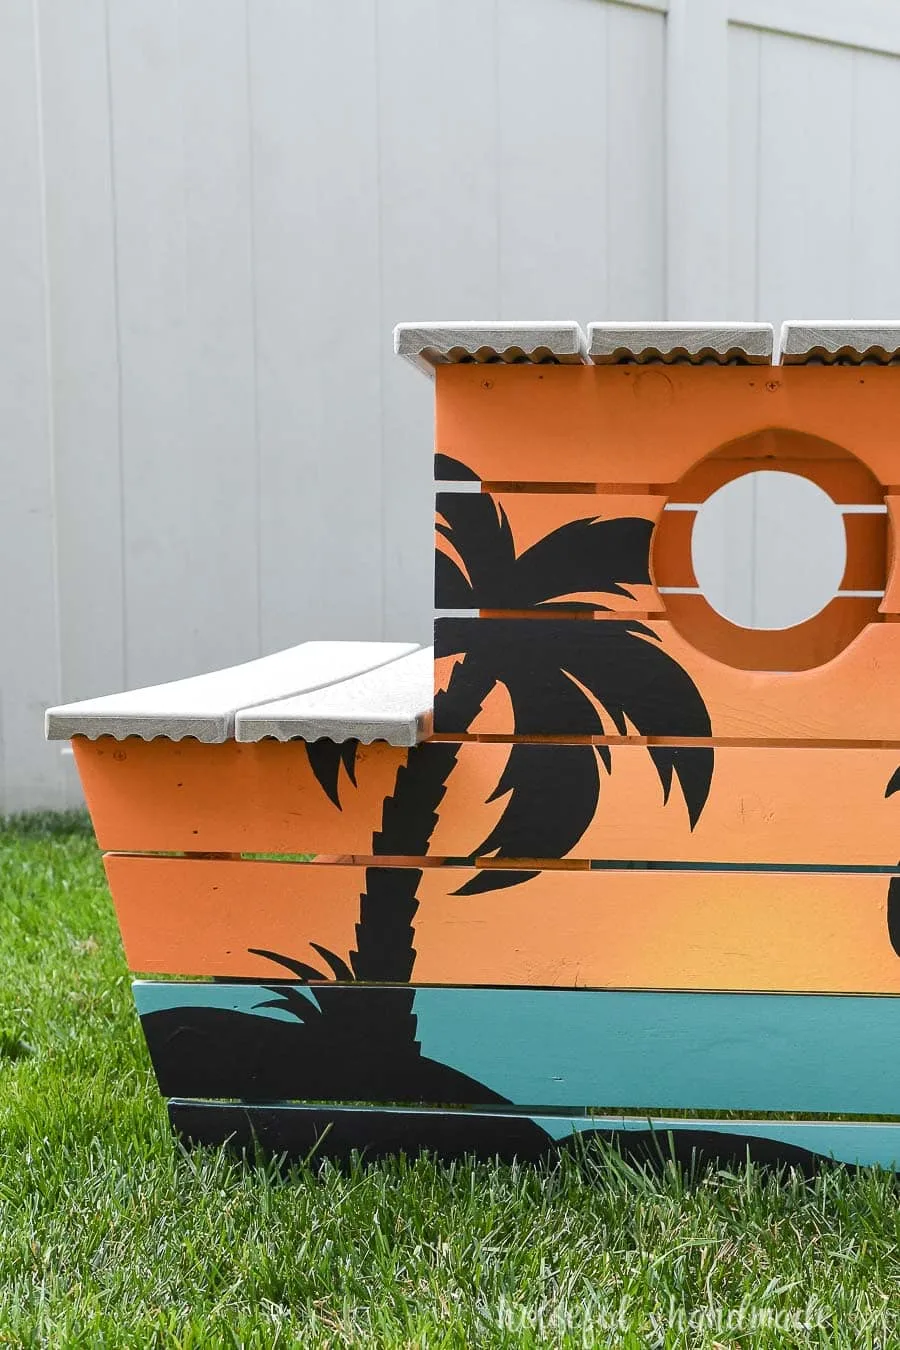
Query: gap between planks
point(356, 860)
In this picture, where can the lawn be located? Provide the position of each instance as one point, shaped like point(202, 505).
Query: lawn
point(109, 1235)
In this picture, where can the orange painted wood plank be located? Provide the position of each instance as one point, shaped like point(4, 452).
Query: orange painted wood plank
point(605, 536)
point(867, 560)
point(644, 424)
point(670, 559)
point(794, 932)
point(141, 794)
point(867, 553)
point(891, 602)
point(850, 698)
point(832, 467)
point(811, 645)
point(765, 804)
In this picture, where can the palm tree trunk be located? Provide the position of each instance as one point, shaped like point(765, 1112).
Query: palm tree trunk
point(384, 934)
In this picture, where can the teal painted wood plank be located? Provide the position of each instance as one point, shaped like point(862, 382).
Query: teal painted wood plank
point(337, 1131)
point(528, 1047)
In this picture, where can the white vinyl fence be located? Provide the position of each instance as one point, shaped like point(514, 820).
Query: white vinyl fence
point(212, 213)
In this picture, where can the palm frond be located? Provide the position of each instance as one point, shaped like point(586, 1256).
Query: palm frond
point(893, 784)
point(893, 913)
point(304, 972)
point(692, 765)
point(291, 1000)
point(587, 555)
point(536, 685)
point(636, 681)
point(554, 790)
point(451, 589)
point(480, 532)
point(338, 967)
point(325, 759)
point(450, 470)
point(618, 662)
point(348, 759)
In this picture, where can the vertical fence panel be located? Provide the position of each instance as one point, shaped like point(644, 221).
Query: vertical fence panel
point(697, 159)
point(164, 637)
point(636, 174)
point(83, 344)
point(31, 771)
point(439, 248)
point(553, 171)
point(744, 169)
point(875, 201)
point(806, 179)
point(219, 338)
point(318, 315)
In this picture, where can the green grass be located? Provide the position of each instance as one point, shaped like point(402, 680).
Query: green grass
point(110, 1236)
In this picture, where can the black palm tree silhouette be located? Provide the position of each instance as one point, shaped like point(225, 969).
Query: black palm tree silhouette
point(576, 669)
point(893, 896)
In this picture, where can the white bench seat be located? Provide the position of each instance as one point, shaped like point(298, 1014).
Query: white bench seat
point(392, 703)
point(206, 706)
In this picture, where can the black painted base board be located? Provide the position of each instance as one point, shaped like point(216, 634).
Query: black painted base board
point(337, 1133)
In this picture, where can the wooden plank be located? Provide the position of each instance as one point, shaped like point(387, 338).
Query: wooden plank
point(626, 930)
point(600, 542)
point(520, 552)
point(724, 343)
point(812, 644)
point(338, 1132)
point(671, 560)
point(524, 1047)
point(845, 479)
point(428, 345)
point(867, 543)
point(637, 425)
point(766, 804)
point(205, 706)
point(891, 602)
point(849, 340)
point(247, 794)
point(391, 703)
point(850, 698)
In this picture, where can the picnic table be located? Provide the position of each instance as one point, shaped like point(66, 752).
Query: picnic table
point(599, 855)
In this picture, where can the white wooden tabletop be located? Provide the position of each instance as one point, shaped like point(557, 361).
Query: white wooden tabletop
point(431, 344)
point(852, 341)
point(747, 343)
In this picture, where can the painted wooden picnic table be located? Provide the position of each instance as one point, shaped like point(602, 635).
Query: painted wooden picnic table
point(599, 856)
